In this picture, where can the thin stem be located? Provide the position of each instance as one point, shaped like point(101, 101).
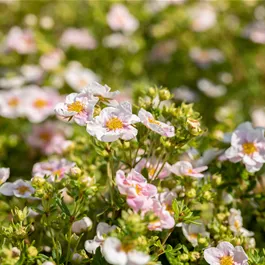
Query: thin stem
point(110, 170)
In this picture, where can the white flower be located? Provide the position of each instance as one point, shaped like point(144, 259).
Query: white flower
point(31, 72)
point(114, 123)
point(12, 82)
point(185, 94)
point(117, 254)
point(4, 174)
point(191, 232)
point(50, 61)
point(79, 77)
point(258, 117)
point(211, 90)
point(119, 18)
point(102, 230)
point(82, 225)
point(157, 126)
point(19, 188)
point(184, 168)
point(247, 145)
point(79, 106)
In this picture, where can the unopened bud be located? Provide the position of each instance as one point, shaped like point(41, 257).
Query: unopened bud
point(164, 94)
point(82, 225)
point(194, 126)
point(32, 251)
point(75, 171)
point(191, 193)
point(184, 257)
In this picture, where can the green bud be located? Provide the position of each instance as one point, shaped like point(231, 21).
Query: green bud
point(184, 257)
point(151, 92)
point(32, 251)
point(221, 216)
point(202, 241)
point(191, 193)
point(194, 126)
point(194, 256)
point(164, 94)
point(207, 195)
point(76, 171)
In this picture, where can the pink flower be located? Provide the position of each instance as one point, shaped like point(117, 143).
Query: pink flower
point(77, 106)
point(225, 254)
point(78, 77)
point(78, 38)
point(21, 41)
point(157, 126)
point(119, 18)
point(114, 123)
point(39, 103)
point(49, 138)
point(184, 168)
point(247, 145)
point(11, 103)
point(50, 61)
point(153, 167)
point(54, 169)
point(135, 187)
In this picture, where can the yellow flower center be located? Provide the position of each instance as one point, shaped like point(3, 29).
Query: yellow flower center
point(13, 102)
point(114, 124)
point(153, 121)
point(226, 260)
point(76, 106)
point(40, 103)
point(237, 224)
point(151, 171)
point(249, 148)
point(23, 189)
point(138, 189)
point(45, 136)
point(57, 172)
point(193, 236)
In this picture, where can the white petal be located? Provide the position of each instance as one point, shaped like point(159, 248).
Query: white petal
point(7, 189)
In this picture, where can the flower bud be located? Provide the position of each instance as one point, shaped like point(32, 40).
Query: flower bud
point(194, 256)
point(164, 94)
point(32, 251)
point(191, 193)
point(15, 252)
point(194, 126)
point(75, 171)
point(82, 225)
point(38, 181)
point(151, 92)
point(77, 258)
point(184, 257)
point(207, 195)
point(203, 241)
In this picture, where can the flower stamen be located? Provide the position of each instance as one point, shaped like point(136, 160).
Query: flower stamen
point(114, 124)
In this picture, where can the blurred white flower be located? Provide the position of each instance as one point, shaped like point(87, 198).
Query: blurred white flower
point(203, 17)
point(184, 93)
point(50, 61)
point(116, 40)
point(256, 32)
point(210, 89)
point(78, 38)
point(46, 22)
point(32, 72)
point(12, 82)
point(82, 225)
point(258, 117)
point(119, 18)
point(79, 77)
point(4, 174)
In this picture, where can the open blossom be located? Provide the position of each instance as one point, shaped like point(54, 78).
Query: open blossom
point(21, 41)
point(4, 174)
point(210, 89)
point(54, 169)
point(204, 58)
point(50, 61)
point(117, 253)
point(79, 77)
point(184, 93)
point(203, 17)
point(49, 137)
point(119, 18)
point(11, 103)
point(154, 168)
point(78, 38)
point(225, 254)
point(39, 103)
point(247, 145)
point(184, 168)
point(162, 208)
point(102, 93)
point(114, 123)
point(192, 231)
point(135, 187)
point(77, 106)
point(19, 188)
point(102, 230)
point(82, 225)
point(157, 126)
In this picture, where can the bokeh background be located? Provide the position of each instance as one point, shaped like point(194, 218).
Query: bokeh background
point(211, 53)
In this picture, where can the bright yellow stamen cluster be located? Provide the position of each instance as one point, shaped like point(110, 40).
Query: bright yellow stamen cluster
point(249, 148)
point(13, 102)
point(23, 189)
point(153, 121)
point(226, 260)
point(138, 189)
point(114, 124)
point(76, 106)
point(40, 103)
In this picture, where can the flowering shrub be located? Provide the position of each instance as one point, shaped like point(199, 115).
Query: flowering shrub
point(129, 173)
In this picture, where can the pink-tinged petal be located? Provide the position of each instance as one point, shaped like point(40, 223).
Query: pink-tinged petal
point(7, 189)
point(129, 133)
point(200, 169)
point(248, 161)
point(137, 258)
point(239, 255)
point(195, 175)
point(226, 247)
point(136, 203)
point(136, 176)
point(213, 255)
point(91, 246)
point(149, 190)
